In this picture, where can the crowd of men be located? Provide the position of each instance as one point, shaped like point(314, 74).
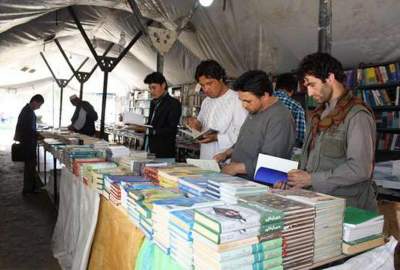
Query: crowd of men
point(337, 142)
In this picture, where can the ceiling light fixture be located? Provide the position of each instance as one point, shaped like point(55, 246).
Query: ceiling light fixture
point(206, 3)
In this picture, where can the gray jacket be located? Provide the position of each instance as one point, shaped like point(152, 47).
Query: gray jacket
point(341, 162)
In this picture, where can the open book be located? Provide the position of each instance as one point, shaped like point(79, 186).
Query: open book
point(272, 169)
point(206, 164)
point(135, 119)
point(195, 134)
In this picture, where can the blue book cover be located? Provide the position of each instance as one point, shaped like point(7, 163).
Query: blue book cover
point(185, 217)
point(140, 187)
point(271, 170)
point(194, 192)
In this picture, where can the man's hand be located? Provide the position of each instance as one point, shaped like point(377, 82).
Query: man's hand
point(212, 137)
point(280, 185)
point(299, 179)
point(234, 168)
point(138, 128)
point(221, 157)
point(192, 122)
point(71, 128)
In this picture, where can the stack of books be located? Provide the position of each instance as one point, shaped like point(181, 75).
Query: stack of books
point(169, 177)
point(87, 168)
point(96, 178)
point(230, 188)
point(329, 213)
point(130, 201)
point(116, 151)
point(231, 237)
point(76, 165)
point(161, 213)
point(115, 184)
point(181, 237)
point(142, 201)
point(362, 230)
point(193, 186)
point(298, 230)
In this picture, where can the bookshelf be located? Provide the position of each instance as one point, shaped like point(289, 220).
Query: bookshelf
point(139, 102)
point(379, 87)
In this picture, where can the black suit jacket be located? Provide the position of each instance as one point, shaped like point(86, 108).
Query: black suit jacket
point(167, 112)
point(25, 132)
point(91, 117)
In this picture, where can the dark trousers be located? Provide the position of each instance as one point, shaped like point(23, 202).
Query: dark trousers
point(30, 176)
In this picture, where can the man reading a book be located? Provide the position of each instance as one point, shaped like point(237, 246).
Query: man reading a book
point(338, 151)
point(220, 111)
point(165, 112)
point(268, 129)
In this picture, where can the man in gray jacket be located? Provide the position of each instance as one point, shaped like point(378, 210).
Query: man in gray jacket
point(268, 129)
point(338, 151)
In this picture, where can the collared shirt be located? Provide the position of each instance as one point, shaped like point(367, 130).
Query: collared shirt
point(297, 112)
point(224, 114)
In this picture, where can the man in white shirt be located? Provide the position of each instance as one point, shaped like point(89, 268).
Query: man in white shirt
point(221, 110)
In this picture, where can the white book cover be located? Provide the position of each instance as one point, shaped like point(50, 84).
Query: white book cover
point(205, 164)
point(270, 169)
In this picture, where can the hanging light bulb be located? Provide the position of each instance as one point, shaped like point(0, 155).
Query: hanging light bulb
point(122, 40)
point(206, 3)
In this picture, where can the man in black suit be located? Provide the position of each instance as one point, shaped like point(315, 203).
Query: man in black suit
point(26, 134)
point(84, 117)
point(165, 112)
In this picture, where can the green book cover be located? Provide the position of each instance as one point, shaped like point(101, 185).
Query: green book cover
point(357, 216)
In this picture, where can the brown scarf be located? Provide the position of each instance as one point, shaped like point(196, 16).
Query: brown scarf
point(335, 117)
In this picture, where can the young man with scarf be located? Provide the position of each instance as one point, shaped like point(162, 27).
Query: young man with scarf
point(338, 151)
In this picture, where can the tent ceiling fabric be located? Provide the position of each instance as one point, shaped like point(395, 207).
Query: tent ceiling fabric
point(255, 34)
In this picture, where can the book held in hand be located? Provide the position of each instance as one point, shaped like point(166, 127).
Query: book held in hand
point(197, 135)
point(270, 169)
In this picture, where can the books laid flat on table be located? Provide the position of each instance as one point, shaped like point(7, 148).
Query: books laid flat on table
point(363, 244)
point(360, 223)
point(329, 212)
point(195, 134)
point(270, 169)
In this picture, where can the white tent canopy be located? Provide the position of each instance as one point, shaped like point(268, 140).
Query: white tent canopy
point(271, 35)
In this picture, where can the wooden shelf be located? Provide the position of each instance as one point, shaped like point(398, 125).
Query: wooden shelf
point(385, 155)
point(388, 130)
point(377, 86)
point(386, 108)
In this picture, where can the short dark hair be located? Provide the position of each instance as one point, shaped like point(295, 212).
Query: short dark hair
point(320, 65)
point(286, 81)
point(155, 77)
point(210, 69)
point(37, 98)
point(255, 81)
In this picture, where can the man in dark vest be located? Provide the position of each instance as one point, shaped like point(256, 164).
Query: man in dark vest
point(84, 117)
point(339, 147)
point(25, 133)
point(165, 113)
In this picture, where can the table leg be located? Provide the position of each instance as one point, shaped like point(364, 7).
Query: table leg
point(55, 180)
point(44, 166)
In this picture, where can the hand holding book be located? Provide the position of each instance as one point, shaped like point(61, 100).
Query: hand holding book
point(299, 179)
